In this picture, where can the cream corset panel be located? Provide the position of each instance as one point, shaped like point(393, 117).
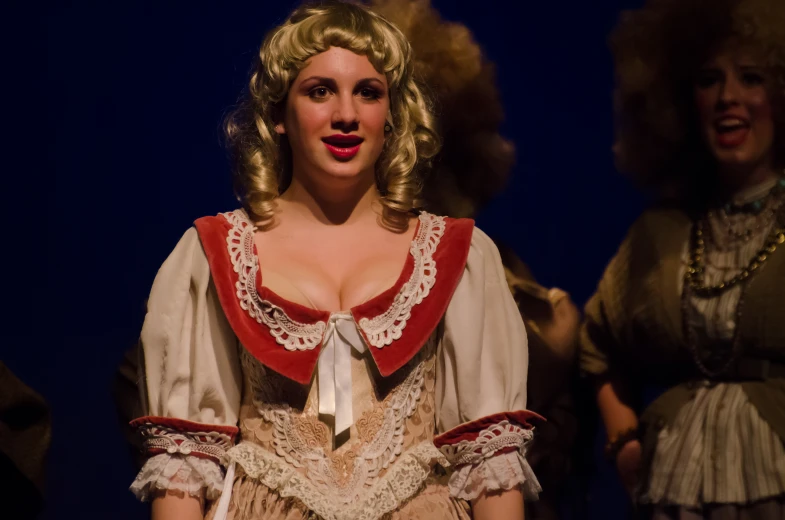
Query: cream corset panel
point(288, 446)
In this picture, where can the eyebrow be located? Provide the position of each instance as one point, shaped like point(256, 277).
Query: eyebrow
point(330, 82)
point(368, 81)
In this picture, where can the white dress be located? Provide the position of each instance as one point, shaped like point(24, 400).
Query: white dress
point(406, 406)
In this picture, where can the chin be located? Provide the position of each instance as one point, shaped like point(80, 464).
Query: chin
point(345, 170)
point(731, 160)
point(735, 159)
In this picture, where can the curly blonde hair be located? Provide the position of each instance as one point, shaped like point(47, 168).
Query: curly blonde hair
point(262, 159)
point(657, 50)
point(475, 161)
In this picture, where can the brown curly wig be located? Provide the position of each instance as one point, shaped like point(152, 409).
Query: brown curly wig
point(475, 161)
point(657, 50)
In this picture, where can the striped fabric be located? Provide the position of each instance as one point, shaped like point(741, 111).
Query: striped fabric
point(771, 509)
point(718, 450)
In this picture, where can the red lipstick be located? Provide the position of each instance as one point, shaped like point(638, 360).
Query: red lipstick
point(732, 139)
point(343, 146)
point(732, 130)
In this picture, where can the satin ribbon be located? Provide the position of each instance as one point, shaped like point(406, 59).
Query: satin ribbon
point(335, 369)
point(222, 510)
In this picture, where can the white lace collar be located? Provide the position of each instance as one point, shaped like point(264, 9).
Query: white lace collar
point(379, 331)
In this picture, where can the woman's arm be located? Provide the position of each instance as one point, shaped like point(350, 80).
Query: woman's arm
point(507, 505)
point(190, 383)
point(616, 414)
point(619, 418)
point(174, 507)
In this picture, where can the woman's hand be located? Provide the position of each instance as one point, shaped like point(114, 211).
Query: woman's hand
point(628, 464)
point(619, 418)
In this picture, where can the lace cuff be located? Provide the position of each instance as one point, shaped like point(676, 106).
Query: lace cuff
point(201, 478)
point(166, 435)
point(185, 457)
point(489, 455)
point(499, 473)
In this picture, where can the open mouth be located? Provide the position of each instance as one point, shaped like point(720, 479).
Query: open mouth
point(343, 147)
point(731, 131)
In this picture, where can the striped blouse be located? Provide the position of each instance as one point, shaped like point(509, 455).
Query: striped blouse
point(719, 449)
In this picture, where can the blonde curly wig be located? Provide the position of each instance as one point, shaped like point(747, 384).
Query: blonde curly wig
point(262, 159)
point(475, 161)
point(657, 50)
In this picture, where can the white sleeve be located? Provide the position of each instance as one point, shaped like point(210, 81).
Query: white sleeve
point(481, 381)
point(191, 379)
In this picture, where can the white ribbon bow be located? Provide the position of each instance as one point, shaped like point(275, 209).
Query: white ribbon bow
point(335, 386)
point(335, 369)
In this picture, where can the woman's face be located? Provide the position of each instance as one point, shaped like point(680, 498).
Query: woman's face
point(732, 96)
point(335, 115)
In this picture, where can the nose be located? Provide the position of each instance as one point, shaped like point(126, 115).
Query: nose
point(729, 91)
point(345, 117)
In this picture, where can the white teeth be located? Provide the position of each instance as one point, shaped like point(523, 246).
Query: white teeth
point(730, 123)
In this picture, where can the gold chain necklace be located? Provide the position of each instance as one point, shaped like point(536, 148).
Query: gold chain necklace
point(694, 275)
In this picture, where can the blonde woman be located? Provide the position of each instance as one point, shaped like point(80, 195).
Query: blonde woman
point(329, 351)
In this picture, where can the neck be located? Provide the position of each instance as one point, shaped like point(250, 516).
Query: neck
point(335, 202)
point(735, 180)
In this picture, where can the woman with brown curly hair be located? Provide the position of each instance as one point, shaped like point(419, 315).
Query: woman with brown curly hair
point(367, 356)
point(693, 300)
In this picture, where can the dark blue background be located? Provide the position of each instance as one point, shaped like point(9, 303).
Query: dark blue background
point(133, 96)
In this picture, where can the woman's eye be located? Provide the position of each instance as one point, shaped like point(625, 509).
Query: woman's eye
point(369, 93)
point(752, 78)
point(319, 92)
point(706, 80)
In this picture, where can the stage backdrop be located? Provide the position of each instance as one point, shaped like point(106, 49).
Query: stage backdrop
point(135, 93)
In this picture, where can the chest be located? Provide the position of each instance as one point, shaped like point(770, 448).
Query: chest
point(331, 271)
point(655, 310)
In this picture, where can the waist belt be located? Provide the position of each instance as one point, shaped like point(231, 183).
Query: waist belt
point(744, 369)
point(755, 369)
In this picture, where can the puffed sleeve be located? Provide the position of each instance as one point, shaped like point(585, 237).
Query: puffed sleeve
point(599, 338)
point(606, 336)
point(190, 380)
point(481, 382)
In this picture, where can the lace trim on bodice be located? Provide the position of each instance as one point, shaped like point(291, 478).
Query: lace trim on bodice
point(380, 331)
point(291, 334)
point(404, 479)
point(385, 328)
point(301, 439)
point(296, 443)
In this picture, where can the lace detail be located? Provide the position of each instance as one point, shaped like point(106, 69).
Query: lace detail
point(380, 330)
point(385, 328)
point(498, 473)
point(165, 439)
point(291, 334)
point(494, 461)
point(501, 436)
point(303, 441)
point(179, 474)
point(400, 483)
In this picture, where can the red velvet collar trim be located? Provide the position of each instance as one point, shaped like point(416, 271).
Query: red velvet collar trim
point(299, 365)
